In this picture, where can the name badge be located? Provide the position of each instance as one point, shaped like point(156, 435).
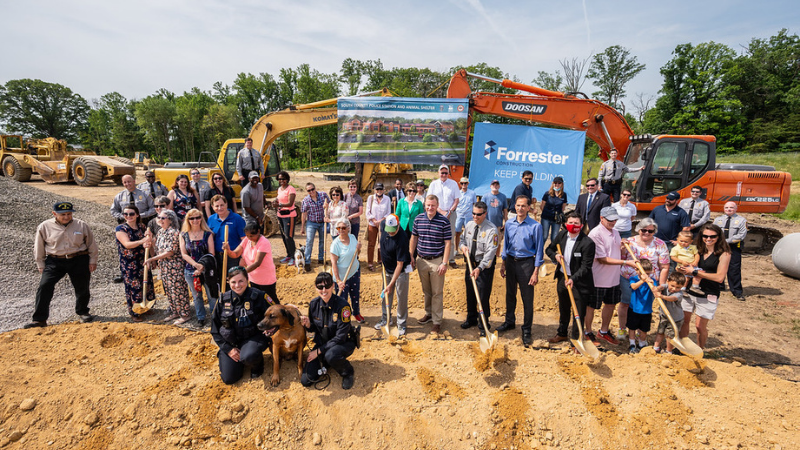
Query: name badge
point(577, 254)
point(77, 233)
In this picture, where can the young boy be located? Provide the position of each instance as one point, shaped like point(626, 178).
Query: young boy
point(686, 254)
point(673, 294)
point(640, 311)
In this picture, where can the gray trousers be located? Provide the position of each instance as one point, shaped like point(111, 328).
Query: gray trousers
point(401, 287)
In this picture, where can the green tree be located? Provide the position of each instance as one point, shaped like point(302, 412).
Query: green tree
point(155, 115)
point(111, 127)
point(190, 109)
point(221, 122)
point(552, 82)
point(611, 71)
point(42, 109)
point(256, 95)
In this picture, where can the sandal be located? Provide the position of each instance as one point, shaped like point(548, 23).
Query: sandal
point(171, 318)
point(181, 320)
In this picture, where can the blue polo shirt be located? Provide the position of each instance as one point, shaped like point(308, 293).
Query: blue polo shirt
point(524, 240)
point(495, 204)
point(235, 225)
point(670, 223)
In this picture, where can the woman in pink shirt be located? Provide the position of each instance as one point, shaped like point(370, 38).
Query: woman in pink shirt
point(256, 253)
point(287, 212)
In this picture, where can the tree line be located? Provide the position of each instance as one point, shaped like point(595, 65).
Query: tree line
point(749, 99)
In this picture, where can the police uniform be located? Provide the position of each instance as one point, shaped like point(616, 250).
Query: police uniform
point(234, 324)
point(248, 160)
point(734, 228)
point(155, 189)
point(142, 201)
point(610, 176)
point(333, 336)
point(63, 250)
point(698, 211)
point(482, 241)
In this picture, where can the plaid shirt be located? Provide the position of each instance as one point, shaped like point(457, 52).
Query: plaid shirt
point(315, 209)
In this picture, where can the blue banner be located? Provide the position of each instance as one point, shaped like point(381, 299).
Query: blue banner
point(503, 152)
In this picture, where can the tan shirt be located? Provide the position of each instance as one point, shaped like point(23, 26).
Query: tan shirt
point(52, 238)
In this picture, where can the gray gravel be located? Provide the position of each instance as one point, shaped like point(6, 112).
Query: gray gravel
point(22, 208)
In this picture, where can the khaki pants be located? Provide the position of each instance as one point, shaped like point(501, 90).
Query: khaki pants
point(432, 287)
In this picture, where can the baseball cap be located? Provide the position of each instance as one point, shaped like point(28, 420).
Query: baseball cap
point(558, 180)
point(378, 186)
point(464, 180)
point(391, 223)
point(63, 207)
point(609, 213)
point(420, 183)
point(444, 166)
point(495, 182)
point(253, 174)
point(673, 196)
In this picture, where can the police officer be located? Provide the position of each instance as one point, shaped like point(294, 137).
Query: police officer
point(248, 160)
point(334, 337)
point(63, 246)
point(479, 243)
point(234, 327)
point(151, 186)
point(735, 228)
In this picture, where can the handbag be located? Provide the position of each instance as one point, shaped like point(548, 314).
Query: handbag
point(560, 217)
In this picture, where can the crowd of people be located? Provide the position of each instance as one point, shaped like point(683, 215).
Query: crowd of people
point(186, 231)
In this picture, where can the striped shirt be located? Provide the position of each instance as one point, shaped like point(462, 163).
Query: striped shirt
point(431, 234)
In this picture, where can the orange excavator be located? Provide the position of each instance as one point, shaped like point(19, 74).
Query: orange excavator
point(666, 162)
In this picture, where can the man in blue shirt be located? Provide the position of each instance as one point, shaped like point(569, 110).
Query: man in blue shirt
point(496, 201)
point(522, 255)
point(223, 216)
point(524, 188)
point(671, 220)
point(466, 199)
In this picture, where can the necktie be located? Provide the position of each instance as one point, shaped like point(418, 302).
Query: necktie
point(253, 161)
point(130, 194)
point(589, 204)
point(691, 212)
point(614, 170)
point(474, 248)
point(727, 227)
point(152, 190)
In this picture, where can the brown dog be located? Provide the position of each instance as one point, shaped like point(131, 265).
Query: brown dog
point(282, 324)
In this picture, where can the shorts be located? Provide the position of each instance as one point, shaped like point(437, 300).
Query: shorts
point(664, 325)
point(701, 306)
point(638, 321)
point(607, 296)
point(460, 222)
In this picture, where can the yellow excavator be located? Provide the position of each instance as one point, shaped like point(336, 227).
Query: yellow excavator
point(264, 133)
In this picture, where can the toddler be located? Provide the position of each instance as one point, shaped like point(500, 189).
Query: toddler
point(672, 300)
point(685, 254)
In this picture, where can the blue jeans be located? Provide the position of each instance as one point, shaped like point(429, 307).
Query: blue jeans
point(199, 308)
point(311, 229)
point(550, 228)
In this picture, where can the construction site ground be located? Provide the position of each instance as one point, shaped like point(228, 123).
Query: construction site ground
point(113, 384)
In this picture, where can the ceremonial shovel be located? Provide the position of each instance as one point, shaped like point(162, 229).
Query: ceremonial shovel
point(489, 341)
point(145, 306)
point(685, 345)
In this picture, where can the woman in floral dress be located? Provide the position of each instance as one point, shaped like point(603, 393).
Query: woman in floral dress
point(131, 242)
point(183, 197)
point(171, 265)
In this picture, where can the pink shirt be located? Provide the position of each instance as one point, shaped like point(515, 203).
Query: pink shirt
point(265, 273)
point(607, 245)
point(283, 198)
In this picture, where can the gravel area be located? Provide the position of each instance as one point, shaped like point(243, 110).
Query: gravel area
point(22, 208)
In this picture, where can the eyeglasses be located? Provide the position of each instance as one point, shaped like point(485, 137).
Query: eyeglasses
point(129, 214)
point(591, 185)
point(324, 286)
point(463, 183)
point(310, 190)
point(335, 194)
point(217, 178)
point(626, 195)
point(352, 186)
point(478, 213)
point(149, 176)
point(341, 228)
point(235, 268)
point(195, 218)
point(413, 191)
point(647, 230)
point(378, 189)
point(160, 206)
point(710, 236)
point(161, 217)
point(528, 179)
point(195, 173)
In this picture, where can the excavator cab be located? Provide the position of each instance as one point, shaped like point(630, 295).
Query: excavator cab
point(662, 164)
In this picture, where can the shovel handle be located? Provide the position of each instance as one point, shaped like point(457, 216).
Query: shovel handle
point(649, 282)
point(144, 279)
point(477, 293)
point(225, 262)
point(569, 290)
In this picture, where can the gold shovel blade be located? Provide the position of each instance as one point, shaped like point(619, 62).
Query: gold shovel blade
point(589, 350)
point(488, 342)
point(687, 347)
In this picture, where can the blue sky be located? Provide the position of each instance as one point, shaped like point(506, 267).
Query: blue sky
point(135, 48)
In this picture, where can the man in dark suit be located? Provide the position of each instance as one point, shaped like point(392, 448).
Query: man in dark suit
point(578, 251)
point(590, 204)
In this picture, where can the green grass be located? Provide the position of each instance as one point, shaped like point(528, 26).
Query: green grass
point(786, 162)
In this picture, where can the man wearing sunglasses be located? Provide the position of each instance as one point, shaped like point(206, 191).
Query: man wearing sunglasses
point(151, 186)
point(524, 188)
point(697, 209)
point(591, 203)
point(479, 243)
point(329, 318)
point(313, 209)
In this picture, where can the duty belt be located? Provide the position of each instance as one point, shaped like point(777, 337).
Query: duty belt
point(71, 255)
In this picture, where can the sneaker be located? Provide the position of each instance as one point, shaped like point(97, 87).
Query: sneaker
point(290, 262)
point(321, 261)
point(642, 346)
point(633, 349)
point(86, 318)
point(256, 372)
point(676, 352)
point(658, 350)
point(425, 319)
point(606, 336)
point(308, 267)
point(360, 319)
point(740, 298)
point(622, 333)
point(379, 325)
point(285, 259)
point(401, 332)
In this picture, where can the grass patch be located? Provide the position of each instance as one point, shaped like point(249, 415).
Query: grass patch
point(796, 327)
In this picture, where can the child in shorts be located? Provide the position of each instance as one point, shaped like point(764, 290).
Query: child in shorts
point(640, 311)
point(686, 254)
point(672, 296)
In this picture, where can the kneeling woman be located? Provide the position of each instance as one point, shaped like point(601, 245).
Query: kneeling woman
point(234, 327)
point(329, 318)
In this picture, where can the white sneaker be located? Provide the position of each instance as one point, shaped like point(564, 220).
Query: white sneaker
point(290, 262)
point(379, 325)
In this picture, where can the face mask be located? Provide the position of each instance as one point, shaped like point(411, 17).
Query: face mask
point(572, 228)
point(556, 188)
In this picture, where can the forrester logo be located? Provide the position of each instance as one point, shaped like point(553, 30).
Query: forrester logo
point(488, 149)
point(525, 108)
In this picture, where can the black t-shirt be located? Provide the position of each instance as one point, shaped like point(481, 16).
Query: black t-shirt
point(394, 249)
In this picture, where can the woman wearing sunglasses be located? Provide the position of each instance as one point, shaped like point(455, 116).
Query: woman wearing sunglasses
point(183, 197)
point(131, 242)
point(171, 265)
point(219, 186)
point(343, 249)
point(336, 210)
point(334, 340)
point(234, 328)
point(625, 210)
point(645, 245)
point(196, 240)
point(287, 213)
point(715, 256)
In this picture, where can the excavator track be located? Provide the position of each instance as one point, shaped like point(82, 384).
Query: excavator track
point(760, 240)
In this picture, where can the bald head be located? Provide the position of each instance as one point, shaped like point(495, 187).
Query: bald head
point(129, 182)
point(730, 208)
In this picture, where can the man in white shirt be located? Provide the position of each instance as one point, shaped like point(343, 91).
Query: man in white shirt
point(448, 193)
point(378, 207)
